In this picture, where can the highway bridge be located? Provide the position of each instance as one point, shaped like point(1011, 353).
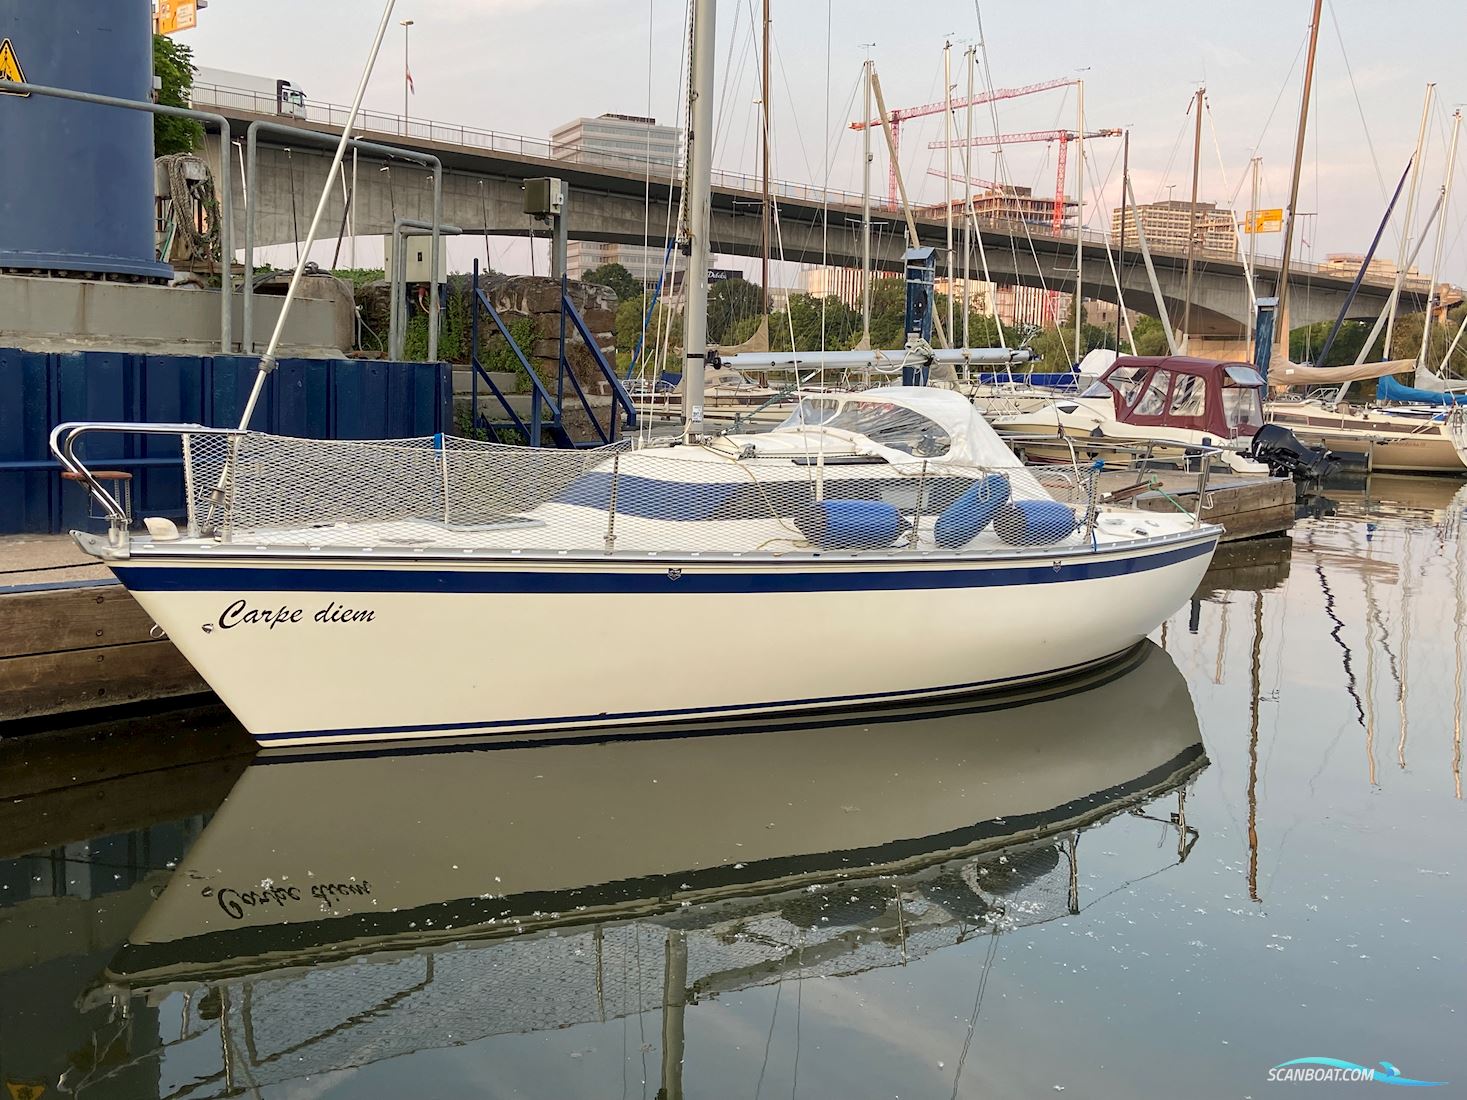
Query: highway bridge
point(618, 201)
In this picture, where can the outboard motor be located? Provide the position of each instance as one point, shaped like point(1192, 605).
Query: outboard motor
point(1286, 456)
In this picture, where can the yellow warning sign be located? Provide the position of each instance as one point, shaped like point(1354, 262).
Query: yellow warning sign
point(10, 68)
point(19, 1091)
point(177, 15)
point(1264, 221)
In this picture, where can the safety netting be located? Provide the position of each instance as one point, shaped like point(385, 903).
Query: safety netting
point(723, 496)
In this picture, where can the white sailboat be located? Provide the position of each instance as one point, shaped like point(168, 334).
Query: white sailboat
point(878, 546)
point(1405, 430)
point(1170, 404)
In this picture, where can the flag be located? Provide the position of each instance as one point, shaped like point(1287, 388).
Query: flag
point(411, 86)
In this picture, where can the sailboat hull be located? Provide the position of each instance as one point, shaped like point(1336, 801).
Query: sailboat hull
point(306, 651)
point(1393, 444)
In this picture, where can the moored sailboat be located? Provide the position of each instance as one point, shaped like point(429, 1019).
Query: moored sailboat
point(1170, 404)
point(887, 542)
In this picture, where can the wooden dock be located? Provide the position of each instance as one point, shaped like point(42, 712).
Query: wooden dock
point(66, 785)
point(1245, 507)
point(72, 638)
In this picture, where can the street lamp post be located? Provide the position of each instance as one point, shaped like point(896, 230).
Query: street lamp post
point(407, 74)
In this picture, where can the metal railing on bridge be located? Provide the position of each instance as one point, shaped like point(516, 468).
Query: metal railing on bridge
point(378, 124)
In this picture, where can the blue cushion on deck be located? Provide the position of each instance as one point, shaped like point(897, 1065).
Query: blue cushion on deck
point(850, 524)
point(961, 520)
point(1034, 522)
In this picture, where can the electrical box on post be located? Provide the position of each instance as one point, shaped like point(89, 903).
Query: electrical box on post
point(1263, 333)
point(921, 267)
point(419, 256)
point(545, 196)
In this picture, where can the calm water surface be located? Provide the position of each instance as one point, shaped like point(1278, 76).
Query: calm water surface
point(1241, 845)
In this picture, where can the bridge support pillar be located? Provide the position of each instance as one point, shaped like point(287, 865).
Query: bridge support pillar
point(1215, 337)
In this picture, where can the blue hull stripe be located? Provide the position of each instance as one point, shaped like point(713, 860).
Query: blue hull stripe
point(690, 714)
point(693, 578)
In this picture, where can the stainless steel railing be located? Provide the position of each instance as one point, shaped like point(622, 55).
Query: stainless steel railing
point(64, 438)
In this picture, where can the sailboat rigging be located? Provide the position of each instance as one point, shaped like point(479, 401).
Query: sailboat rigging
point(364, 582)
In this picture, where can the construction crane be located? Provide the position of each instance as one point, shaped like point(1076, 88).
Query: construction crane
point(971, 181)
point(902, 114)
point(1064, 137)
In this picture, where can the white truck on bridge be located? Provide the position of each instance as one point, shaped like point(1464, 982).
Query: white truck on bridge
point(247, 92)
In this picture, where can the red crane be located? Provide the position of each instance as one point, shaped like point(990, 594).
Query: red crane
point(971, 181)
point(901, 114)
point(1064, 137)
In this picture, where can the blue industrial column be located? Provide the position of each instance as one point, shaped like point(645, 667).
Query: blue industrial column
point(921, 267)
point(1263, 333)
point(76, 179)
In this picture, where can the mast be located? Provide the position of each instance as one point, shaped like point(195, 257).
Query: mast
point(700, 177)
point(1166, 324)
point(970, 63)
point(1402, 263)
point(866, 217)
point(1192, 222)
point(1441, 238)
point(947, 156)
point(1121, 244)
point(766, 234)
point(891, 147)
point(1281, 325)
point(1080, 218)
point(1254, 165)
point(268, 361)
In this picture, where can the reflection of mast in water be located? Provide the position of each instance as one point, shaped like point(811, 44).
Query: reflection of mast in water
point(1372, 614)
point(1337, 635)
point(674, 1002)
point(1405, 642)
point(1457, 676)
point(1222, 645)
point(1385, 645)
point(1255, 688)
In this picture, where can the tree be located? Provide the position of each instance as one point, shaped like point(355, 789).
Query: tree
point(173, 65)
point(743, 329)
point(816, 323)
point(730, 302)
point(629, 316)
point(1050, 349)
point(889, 317)
point(1307, 341)
point(1150, 336)
point(888, 311)
point(621, 281)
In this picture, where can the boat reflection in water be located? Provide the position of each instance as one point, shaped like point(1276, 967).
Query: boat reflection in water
point(344, 910)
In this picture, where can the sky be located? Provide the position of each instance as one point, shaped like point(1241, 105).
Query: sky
point(525, 66)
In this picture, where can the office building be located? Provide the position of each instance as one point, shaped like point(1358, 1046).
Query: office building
point(1168, 223)
point(620, 141)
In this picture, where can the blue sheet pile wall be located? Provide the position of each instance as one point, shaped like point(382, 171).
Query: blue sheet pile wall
point(318, 398)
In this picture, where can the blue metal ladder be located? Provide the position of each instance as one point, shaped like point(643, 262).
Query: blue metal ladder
point(546, 425)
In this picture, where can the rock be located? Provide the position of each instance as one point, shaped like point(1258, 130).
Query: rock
point(598, 320)
point(373, 299)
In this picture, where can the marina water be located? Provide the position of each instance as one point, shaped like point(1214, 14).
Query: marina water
point(1235, 849)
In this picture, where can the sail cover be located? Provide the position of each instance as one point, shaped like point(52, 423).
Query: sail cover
point(1302, 374)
